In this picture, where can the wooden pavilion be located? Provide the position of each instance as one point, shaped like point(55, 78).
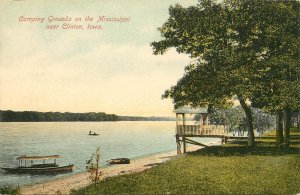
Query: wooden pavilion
point(40, 168)
point(201, 128)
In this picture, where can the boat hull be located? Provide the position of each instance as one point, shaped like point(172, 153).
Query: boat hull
point(119, 161)
point(42, 170)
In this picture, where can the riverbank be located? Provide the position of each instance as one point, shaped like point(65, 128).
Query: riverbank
point(233, 168)
point(65, 185)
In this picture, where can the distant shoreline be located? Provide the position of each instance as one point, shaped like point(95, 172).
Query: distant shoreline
point(35, 116)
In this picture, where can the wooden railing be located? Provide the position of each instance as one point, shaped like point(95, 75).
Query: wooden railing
point(200, 130)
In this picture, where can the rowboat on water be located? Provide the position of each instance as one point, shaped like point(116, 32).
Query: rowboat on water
point(119, 161)
point(41, 168)
point(94, 134)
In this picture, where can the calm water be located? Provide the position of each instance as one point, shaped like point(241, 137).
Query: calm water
point(70, 140)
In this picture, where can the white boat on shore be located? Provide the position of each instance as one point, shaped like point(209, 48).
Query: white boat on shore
point(40, 168)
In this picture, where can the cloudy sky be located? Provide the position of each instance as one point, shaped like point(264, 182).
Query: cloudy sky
point(111, 70)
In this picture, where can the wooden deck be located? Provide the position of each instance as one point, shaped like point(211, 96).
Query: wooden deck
point(184, 133)
point(198, 130)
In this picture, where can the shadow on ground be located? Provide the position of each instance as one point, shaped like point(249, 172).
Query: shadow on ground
point(245, 150)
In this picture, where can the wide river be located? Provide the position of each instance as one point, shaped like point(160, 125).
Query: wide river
point(130, 139)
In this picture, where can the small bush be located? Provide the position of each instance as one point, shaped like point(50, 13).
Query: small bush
point(93, 165)
point(9, 190)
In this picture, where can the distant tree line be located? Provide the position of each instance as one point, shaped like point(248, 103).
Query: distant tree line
point(33, 116)
point(140, 118)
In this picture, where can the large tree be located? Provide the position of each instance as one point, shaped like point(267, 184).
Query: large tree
point(227, 40)
point(280, 92)
point(278, 72)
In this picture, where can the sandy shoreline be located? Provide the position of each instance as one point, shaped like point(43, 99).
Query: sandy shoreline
point(64, 185)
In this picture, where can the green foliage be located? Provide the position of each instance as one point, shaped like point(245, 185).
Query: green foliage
point(93, 166)
point(280, 89)
point(233, 118)
point(263, 121)
point(248, 49)
point(140, 118)
point(10, 190)
point(32, 116)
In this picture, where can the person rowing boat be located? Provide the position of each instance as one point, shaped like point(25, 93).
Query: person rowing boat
point(90, 133)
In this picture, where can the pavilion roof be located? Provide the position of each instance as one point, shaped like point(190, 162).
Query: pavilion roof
point(189, 110)
point(38, 157)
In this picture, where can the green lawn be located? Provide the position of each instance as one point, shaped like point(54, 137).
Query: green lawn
point(229, 169)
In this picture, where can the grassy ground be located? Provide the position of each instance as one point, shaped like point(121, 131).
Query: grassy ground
point(230, 169)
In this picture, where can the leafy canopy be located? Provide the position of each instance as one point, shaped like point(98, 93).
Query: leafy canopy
point(237, 45)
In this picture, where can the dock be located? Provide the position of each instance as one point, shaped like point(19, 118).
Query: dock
point(185, 132)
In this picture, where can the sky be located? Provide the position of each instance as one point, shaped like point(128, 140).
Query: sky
point(112, 70)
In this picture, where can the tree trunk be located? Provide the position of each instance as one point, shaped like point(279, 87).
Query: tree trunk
point(287, 124)
point(298, 119)
point(249, 121)
point(279, 128)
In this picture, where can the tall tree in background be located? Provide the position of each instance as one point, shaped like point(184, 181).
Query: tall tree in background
point(278, 72)
point(227, 40)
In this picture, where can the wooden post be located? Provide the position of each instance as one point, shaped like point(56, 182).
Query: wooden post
point(177, 134)
point(183, 137)
point(201, 124)
point(201, 120)
point(178, 145)
point(207, 120)
point(177, 118)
